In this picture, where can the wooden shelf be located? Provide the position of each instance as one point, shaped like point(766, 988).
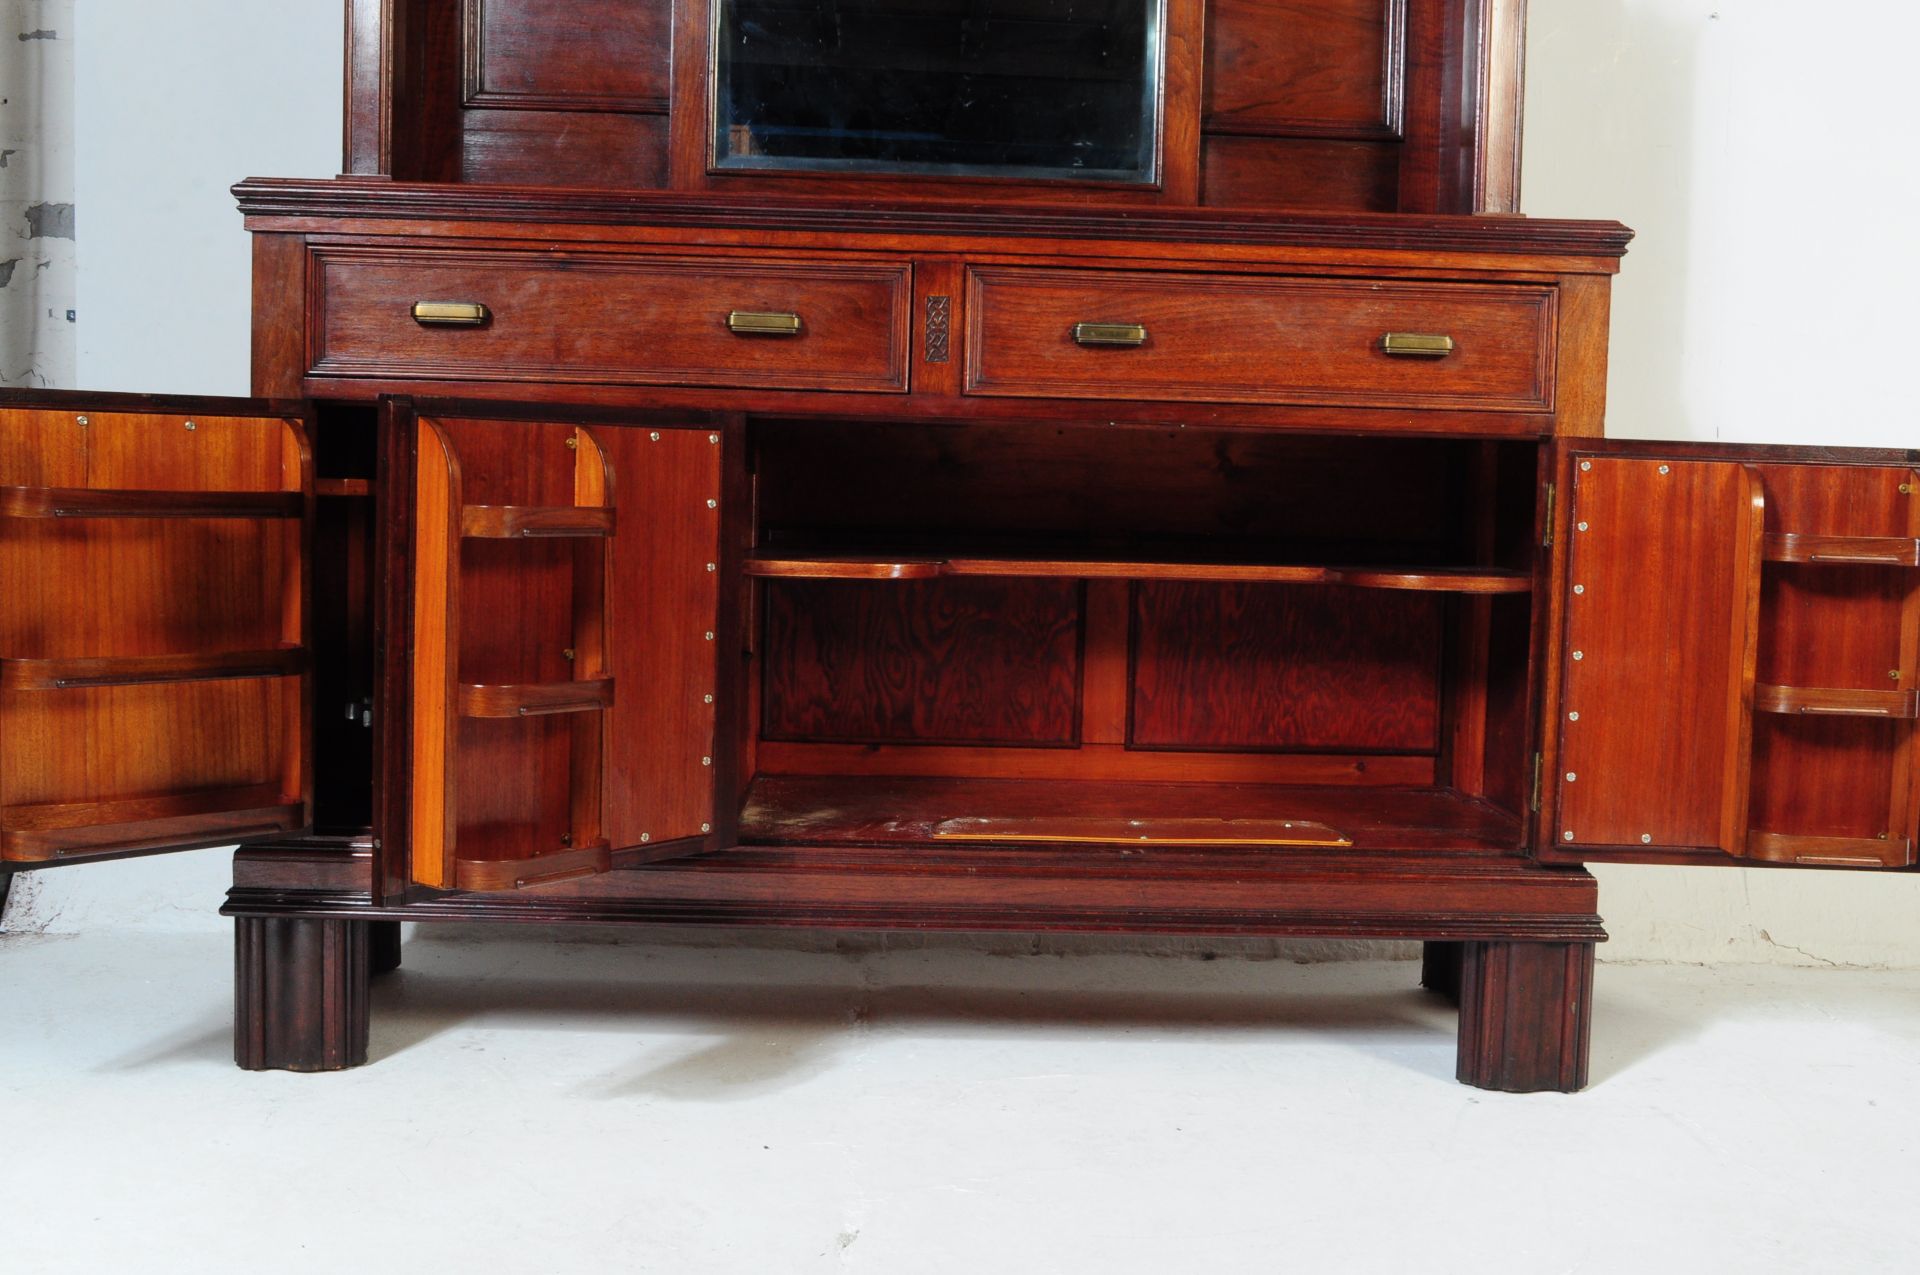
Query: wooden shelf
point(1873, 551)
point(810, 566)
point(77, 502)
point(40, 833)
point(1811, 702)
point(1830, 852)
point(546, 699)
point(973, 814)
point(535, 522)
point(78, 674)
point(545, 869)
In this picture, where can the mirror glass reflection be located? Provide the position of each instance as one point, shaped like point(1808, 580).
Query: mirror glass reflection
point(1024, 88)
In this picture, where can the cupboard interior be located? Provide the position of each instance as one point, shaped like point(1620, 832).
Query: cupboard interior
point(984, 632)
point(1837, 657)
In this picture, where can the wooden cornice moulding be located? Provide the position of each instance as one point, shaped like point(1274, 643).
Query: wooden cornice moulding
point(265, 199)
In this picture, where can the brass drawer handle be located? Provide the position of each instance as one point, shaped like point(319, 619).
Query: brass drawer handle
point(450, 314)
point(1417, 345)
point(1110, 333)
point(757, 323)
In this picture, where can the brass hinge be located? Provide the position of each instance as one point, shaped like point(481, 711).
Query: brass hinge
point(1546, 536)
point(1539, 763)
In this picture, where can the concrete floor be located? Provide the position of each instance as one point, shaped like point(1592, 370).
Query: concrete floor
point(599, 1107)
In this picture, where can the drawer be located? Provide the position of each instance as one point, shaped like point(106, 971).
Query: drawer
point(1257, 339)
point(604, 318)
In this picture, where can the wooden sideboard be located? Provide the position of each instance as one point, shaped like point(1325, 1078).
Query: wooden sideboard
point(1227, 547)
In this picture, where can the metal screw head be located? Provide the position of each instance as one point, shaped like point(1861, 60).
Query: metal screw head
point(706, 761)
point(713, 504)
point(654, 437)
point(1572, 778)
point(1579, 589)
point(1646, 838)
point(1894, 674)
point(1906, 489)
point(645, 837)
point(191, 425)
point(1579, 655)
point(573, 444)
point(1573, 717)
point(83, 422)
point(708, 699)
point(1566, 836)
point(1586, 465)
point(1665, 470)
point(709, 636)
point(713, 566)
point(1582, 526)
point(706, 827)
point(713, 438)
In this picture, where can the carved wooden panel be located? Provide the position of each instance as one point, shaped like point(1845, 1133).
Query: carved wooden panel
point(950, 661)
point(1250, 667)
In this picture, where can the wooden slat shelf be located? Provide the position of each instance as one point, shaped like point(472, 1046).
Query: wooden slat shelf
point(545, 869)
point(38, 833)
point(535, 522)
point(77, 674)
point(1831, 852)
point(796, 566)
point(546, 699)
point(77, 502)
point(1812, 702)
point(1878, 551)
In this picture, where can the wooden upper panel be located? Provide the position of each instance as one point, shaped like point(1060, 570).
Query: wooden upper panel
point(1380, 105)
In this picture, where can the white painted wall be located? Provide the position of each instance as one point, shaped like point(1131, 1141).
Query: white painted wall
point(1775, 258)
point(36, 192)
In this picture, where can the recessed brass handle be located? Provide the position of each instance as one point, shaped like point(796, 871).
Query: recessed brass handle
point(1110, 333)
point(450, 314)
point(758, 323)
point(1417, 345)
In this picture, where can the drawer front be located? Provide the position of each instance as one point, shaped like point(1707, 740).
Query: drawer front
point(611, 319)
point(1253, 339)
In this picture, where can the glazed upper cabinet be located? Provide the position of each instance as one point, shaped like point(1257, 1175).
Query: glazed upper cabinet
point(1338, 105)
point(1740, 640)
point(561, 678)
point(155, 671)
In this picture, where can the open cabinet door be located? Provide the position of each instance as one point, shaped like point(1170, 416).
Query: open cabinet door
point(1739, 637)
point(155, 686)
point(562, 601)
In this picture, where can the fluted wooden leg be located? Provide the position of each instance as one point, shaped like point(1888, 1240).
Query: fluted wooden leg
point(383, 946)
point(300, 994)
point(1440, 968)
point(1526, 1016)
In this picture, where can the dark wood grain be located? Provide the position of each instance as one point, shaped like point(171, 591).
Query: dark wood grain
point(957, 661)
point(1250, 667)
point(1290, 69)
point(300, 994)
point(1526, 1016)
point(1227, 338)
point(572, 55)
point(878, 810)
point(625, 319)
